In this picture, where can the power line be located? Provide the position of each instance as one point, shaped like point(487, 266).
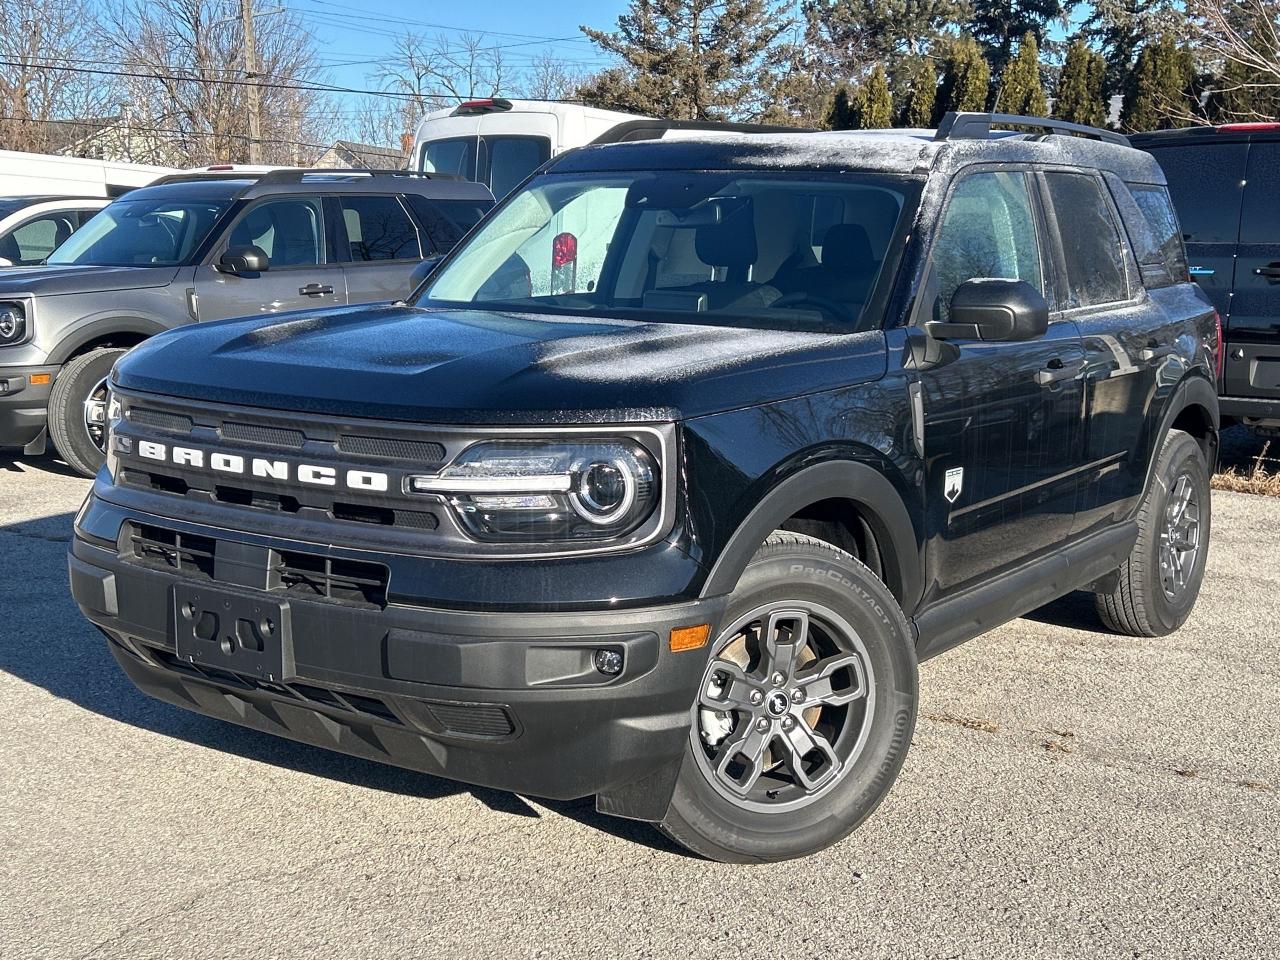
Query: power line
point(365, 14)
point(142, 130)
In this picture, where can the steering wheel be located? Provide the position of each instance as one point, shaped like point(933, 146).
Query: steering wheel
point(827, 306)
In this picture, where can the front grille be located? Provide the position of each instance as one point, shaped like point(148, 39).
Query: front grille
point(473, 719)
point(424, 452)
point(268, 436)
point(170, 422)
point(326, 578)
point(185, 553)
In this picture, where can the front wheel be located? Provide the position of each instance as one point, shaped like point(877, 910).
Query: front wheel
point(805, 711)
point(78, 409)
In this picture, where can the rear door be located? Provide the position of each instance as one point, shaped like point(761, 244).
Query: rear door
point(379, 244)
point(1253, 326)
point(1206, 181)
point(301, 272)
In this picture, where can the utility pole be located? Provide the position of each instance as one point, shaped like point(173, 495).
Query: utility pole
point(253, 91)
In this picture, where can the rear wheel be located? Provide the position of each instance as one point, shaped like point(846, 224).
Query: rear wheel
point(78, 409)
point(1159, 583)
point(805, 710)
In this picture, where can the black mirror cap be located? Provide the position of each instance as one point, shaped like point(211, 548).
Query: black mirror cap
point(993, 309)
point(242, 260)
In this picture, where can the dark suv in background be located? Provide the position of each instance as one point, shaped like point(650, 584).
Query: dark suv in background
point(205, 246)
point(1225, 183)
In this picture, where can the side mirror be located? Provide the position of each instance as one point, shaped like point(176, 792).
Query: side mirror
point(422, 271)
point(243, 260)
point(990, 309)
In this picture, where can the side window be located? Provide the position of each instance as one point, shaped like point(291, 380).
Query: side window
point(1157, 211)
point(288, 230)
point(34, 240)
point(1205, 182)
point(447, 221)
point(1260, 221)
point(988, 231)
point(1092, 253)
point(378, 228)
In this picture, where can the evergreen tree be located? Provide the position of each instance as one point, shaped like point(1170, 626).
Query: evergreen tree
point(919, 91)
point(998, 25)
point(1021, 91)
point(966, 78)
point(1158, 95)
point(1118, 28)
point(1079, 97)
point(691, 59)
point(843, 113)
point(873, 105)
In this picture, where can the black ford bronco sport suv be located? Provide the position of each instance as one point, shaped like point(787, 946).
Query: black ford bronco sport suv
point(664, 481)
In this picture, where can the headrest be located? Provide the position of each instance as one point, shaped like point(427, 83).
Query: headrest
point(847, 248)
point(732, 241)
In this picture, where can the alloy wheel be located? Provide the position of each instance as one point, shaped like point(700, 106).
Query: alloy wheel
point(1180, 537)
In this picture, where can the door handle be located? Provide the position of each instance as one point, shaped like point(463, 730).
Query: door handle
point(1202, 271)
point(315, 290)
point(1056, 371)
point(1271, 271)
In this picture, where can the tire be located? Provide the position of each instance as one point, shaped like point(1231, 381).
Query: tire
point(78, 379)
point(1153, 596)
point(849, 617)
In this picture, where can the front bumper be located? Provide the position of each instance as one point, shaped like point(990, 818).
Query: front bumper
point(23, 404)
point(508, 700)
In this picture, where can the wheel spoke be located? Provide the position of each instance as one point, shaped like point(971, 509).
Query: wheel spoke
point(818, 688)
point(802, 741)
point(748, 745)
point(735, 694)
point(782, 653)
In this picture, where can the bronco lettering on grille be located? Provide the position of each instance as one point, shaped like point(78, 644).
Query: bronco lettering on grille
point(233, 463)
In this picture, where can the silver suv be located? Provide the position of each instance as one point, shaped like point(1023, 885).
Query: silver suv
point(206, 246)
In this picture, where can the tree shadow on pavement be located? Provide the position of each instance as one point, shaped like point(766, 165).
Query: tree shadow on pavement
point(46, 642)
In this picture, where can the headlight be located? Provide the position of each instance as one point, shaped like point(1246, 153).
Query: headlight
point(13, 323)
point(528, 491)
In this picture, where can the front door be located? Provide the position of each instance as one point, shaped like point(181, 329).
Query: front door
point(1252, 367)
point(1002, 421)
point(300, 274)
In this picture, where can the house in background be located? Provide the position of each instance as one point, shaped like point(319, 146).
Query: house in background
point(345, 155)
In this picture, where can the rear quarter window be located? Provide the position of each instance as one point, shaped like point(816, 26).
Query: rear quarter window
point(1154, 232)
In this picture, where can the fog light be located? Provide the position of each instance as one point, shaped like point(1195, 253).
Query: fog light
point(609, 662)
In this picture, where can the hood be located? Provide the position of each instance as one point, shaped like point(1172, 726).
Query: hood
point(462, 366)
point(59, 280)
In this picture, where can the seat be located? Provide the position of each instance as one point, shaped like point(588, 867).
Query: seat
point(731, 245)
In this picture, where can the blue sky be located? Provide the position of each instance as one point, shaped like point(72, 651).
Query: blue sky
point(353, 35)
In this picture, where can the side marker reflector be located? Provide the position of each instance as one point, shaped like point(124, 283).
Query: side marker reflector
point(38, 379)
point(690, 638)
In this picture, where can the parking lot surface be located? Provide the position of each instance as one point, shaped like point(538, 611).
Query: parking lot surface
point(1070, 793)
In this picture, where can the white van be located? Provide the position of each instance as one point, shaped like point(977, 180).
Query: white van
point(46, 175)
point(499, 142)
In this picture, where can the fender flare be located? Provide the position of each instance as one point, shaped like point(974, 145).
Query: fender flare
point(97, 329)
point(1193, 391)
point(834, 479)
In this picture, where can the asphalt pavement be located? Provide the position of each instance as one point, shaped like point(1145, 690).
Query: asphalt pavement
point(1069, 793)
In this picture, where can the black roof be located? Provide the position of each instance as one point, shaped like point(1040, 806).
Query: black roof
point(1226, 133)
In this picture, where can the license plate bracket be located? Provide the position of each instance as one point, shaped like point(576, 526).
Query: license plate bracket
point(238, 632)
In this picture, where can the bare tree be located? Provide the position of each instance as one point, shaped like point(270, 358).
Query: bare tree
point(382, 121)
point(187, 85)
point(550, 78)
point(39, 97)
point(1240, 40)
point(439, 71)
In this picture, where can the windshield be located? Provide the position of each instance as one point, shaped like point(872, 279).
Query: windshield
point(761, 250)
point(141, 233)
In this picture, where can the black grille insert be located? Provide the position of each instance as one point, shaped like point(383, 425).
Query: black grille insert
point(473, 719)
point(171, 422)
point(268, 436)
point(424, 452)
point(326, 578)
point(185, 553)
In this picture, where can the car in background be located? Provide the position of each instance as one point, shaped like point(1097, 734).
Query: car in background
point(1225, 184)
point(31, 228)
point(206, 246)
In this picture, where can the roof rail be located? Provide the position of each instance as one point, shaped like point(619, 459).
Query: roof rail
point(296, 175)
point(652, 129)
point(977, 126)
